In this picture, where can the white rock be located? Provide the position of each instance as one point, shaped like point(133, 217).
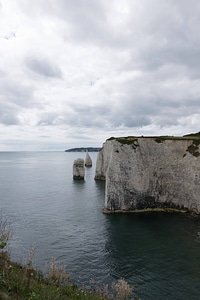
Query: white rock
point(78, 169)
point(149, 173)
point(88, 160)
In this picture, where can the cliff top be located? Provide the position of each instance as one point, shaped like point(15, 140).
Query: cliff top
point(159, 139)
point(193, 148)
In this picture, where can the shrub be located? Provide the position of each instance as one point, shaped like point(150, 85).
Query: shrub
point(122, 289)
point(56, 273)
point(5, 232)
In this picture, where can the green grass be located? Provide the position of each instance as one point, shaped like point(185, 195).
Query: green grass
point(129, 140)
point(158, 139)
point(23, 282)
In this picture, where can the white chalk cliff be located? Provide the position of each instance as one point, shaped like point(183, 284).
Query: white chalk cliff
point(88, 160)
point(78, 169)
point(150, 173)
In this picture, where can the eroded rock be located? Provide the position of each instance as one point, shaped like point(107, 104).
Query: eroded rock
point(78, 169)
point(88, 160)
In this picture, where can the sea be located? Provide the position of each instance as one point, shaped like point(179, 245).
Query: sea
point(61, 218)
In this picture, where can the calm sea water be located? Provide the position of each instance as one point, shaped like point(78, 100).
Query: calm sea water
point(158, 253)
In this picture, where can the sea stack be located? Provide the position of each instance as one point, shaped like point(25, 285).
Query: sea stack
point(88, 160)
point(78, 169)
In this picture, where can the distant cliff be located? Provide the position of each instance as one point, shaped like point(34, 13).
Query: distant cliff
point(147, 173)
point(82, 149)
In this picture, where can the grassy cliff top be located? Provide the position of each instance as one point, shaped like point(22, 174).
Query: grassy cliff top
point(192, 149)
point(23, 282)
point(129, 139)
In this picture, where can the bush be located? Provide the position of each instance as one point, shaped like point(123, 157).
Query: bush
point(5, 232)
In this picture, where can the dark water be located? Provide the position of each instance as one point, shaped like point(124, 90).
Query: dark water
point(156, 252)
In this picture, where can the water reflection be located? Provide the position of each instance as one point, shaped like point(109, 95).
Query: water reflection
point(100, 189)
point(78, 183)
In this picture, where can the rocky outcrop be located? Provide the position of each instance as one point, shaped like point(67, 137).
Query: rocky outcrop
point(88, 160)
point(78, 169)
point(147, 173)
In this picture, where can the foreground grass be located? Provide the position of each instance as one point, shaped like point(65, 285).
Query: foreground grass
point(25, 282)
point(19, 282)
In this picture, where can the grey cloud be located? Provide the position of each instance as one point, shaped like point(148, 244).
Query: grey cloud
point(82, 136)
point(144, 102)
point(88, 18)
point(168, 34)
point(156, 24)
point(80, 116)
point(141, 102)
point(10, 36)
point(159, 27)
point(17, 93)
point(86, 21)
point(2, 74)
point(88, 116)
point(8, 115)
point(101, 116)
point(90, 110)
point(82, 120)
point(157, 41)
point(153, 58)
point(129, 120)
point(43, 67)
point(49, 119)
point(164, 121)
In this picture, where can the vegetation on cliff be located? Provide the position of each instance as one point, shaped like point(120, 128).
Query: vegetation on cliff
point(25, 282)
point(158, 139)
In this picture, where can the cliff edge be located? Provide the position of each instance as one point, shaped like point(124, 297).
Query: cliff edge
point(150, 173)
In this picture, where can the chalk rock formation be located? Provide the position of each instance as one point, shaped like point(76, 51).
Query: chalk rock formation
point(150, 173)
point(78, 169)
point(88, 160)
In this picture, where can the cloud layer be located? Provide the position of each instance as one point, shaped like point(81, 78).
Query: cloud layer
point(73, 73)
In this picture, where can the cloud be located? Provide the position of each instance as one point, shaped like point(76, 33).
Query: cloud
point(43, 67)
point(10, 36)
point(17, 93)
point(8, 115)
point(91, 69)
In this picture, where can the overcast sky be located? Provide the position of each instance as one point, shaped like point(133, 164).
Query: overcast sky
point(76, 72)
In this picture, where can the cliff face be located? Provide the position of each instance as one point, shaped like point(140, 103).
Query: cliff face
point(150, 173)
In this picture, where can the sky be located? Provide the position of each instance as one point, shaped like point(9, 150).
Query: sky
point(74, 73)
